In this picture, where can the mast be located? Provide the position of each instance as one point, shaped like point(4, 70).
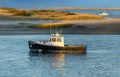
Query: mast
point(60, 31)
point(50, 24)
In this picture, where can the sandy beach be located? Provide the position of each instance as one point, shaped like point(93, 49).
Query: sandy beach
point(102, 26)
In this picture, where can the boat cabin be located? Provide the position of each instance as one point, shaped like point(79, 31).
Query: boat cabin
point(56, 39)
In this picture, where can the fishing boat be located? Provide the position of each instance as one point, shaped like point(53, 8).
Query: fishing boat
point(55, 44)
point(104, 14)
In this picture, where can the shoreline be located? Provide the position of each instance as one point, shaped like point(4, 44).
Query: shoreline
point(84, 27)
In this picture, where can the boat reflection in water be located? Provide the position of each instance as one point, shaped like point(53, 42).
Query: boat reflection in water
point(58, 61)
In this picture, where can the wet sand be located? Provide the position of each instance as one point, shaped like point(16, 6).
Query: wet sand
point(103, 26)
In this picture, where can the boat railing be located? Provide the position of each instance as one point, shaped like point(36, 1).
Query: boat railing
point(56, 35)
point(42, 42)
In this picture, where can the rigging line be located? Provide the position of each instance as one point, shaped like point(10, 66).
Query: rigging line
point(50, 24)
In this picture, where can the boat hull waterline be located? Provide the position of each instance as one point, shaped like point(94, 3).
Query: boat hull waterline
point(35, 47)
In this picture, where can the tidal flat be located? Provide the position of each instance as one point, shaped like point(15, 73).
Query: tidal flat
point(102, 26)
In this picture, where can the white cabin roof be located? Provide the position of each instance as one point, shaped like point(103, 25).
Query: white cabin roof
point(56, 35)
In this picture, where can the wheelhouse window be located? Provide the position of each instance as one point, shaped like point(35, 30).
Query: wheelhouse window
point(53, 39)
point(59, 40)
point(56, 39)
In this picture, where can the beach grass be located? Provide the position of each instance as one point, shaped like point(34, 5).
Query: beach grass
point(17, 18)
point(55, 25)
point(46, 14)
point(63, 16)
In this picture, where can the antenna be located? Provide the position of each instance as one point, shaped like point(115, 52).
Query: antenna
point(50, 24)
point(60, 31)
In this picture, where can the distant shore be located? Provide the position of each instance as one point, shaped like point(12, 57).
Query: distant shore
point(102, 26)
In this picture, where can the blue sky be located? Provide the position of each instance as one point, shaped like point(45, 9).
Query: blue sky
point(59, 3)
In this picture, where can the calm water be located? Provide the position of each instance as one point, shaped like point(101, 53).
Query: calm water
point(112, 13)
point(102, 59)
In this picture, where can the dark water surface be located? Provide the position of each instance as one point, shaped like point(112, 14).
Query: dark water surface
point(102, 58)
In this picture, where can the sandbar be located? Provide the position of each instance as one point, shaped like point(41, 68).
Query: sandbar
point(97, 26)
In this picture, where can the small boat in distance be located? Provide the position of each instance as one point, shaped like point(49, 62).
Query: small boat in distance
point(55, 44)
point(104, 14)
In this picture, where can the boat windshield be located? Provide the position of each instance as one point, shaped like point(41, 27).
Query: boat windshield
point(59, 40)
point(53, 39)
point(56, 39)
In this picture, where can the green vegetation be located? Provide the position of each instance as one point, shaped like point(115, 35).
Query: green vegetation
point(18, 14)
point(8, 8)
point(46, 14)
point(45, 26)
point(62, 15)
point(14, 12)
point(43, 10)
point(22, 13)
point(77, 17)
point(15, 18)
